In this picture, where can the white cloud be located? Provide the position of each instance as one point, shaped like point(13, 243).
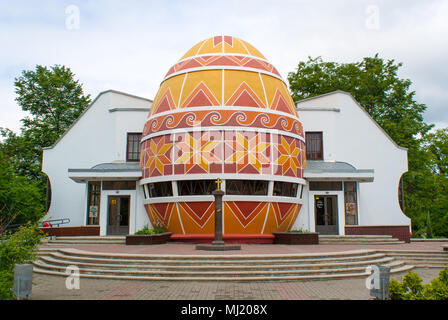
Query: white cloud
point(130, 45)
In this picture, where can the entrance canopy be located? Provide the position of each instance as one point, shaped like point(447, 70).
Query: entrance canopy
point(336, 171)
point(107, 171)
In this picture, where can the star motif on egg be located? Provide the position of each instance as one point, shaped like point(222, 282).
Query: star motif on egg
point(288, 156)
point(197, 151)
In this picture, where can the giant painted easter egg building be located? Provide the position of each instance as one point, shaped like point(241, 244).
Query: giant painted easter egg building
point(223, 111)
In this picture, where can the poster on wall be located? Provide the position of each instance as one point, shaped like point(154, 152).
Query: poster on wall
point(350, 208)
point(93, 211)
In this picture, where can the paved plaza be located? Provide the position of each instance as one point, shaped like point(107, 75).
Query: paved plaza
point(49, 287)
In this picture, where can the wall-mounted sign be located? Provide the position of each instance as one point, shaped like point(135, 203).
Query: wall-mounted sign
point(319, 203)
point(350, 208)
point(93, 211)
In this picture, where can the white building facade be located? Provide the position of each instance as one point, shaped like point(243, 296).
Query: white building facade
point(356, 178)
point(353, 169)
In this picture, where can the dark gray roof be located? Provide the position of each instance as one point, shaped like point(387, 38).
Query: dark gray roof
point(112, 167)
point(331, 166)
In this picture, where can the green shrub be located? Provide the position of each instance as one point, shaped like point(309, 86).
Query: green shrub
point(412, 288)
point(147, 231)
point(299, 231)
point(16, 248)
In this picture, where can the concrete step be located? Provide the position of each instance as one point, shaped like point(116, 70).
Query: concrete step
point(41, 267)
point(72, 242)
point(429, 240)
point(429, 259)
point(88, 240)
point(330, 236)
point(220, 257)
point(210, 261)
point(211, 267)
point(398, 270)
point(413, 253)
point(362, 242)
point(358, 239)
point(92, 238)
point(224, 267)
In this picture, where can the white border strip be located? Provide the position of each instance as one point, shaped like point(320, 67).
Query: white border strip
point(223, 176)
point(207, 198)
point(236, 129)
point(225, 108)
point(220, 54)
point(236, 68)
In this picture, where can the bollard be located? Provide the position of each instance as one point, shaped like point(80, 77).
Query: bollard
point(23, 280)
point(381, 292)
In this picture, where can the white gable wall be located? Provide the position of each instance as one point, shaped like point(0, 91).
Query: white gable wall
point(98, 136)
point(351, 136)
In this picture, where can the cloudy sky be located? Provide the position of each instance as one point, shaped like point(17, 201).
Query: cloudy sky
point(130, 45)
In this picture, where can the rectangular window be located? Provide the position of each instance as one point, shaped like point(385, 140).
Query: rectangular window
point(93, 202)
point(247, 187)
point(196, 187)
point(285, 189)
point(160, 189)
point(133, 146)
point(119, 185)
point(314, 146)
point(325, 186)
point(351, 203)
point(145, 195)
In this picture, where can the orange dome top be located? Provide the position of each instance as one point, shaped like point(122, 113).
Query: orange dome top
point(223, 44)
point(227, 72)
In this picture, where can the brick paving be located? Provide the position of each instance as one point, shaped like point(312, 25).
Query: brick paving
point(46, 287)
point(189, 249)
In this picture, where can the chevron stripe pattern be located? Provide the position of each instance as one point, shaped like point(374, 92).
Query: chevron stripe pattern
point(223, 110)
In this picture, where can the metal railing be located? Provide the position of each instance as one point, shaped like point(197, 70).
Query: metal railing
point(53, 223)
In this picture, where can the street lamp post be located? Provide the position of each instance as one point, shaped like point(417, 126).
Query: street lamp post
point(218, 244)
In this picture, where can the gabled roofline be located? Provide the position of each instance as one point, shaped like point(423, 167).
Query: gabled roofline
point(360, 106)
point(90, 105)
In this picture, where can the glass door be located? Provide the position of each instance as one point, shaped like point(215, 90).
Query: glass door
point(118, 215)
point(326, 215)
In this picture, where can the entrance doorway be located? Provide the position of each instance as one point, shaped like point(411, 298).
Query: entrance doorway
point(326, 214)
point(118, 215)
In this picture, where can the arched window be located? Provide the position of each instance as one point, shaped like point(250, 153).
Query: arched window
point(48, 195)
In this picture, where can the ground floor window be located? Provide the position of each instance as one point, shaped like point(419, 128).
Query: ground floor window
point(93, 205)
point(401, 194)
point(325, 186)
point(247, 187)
point(119, 185)
point(160, 189)
point(196, 187)
point(285, 189)
point(351, 203)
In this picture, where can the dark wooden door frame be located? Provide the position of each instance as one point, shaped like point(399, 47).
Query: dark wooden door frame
point(332, 229)
point(115, 216)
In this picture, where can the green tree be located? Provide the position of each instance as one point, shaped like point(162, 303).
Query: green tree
point(20, 198)
point(53, 100)
point(16, 248)
point(375, 84)
point(436, 146)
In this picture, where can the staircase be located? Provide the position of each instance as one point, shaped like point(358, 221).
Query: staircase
point(88, 240)
point(361, 239)
point(323, 239)
point(424, 259)
point(323, 266)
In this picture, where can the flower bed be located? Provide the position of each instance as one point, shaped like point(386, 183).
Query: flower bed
point(296, 238)
point(147, 239)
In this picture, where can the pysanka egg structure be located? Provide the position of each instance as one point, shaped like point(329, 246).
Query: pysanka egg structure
point(223, 111)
